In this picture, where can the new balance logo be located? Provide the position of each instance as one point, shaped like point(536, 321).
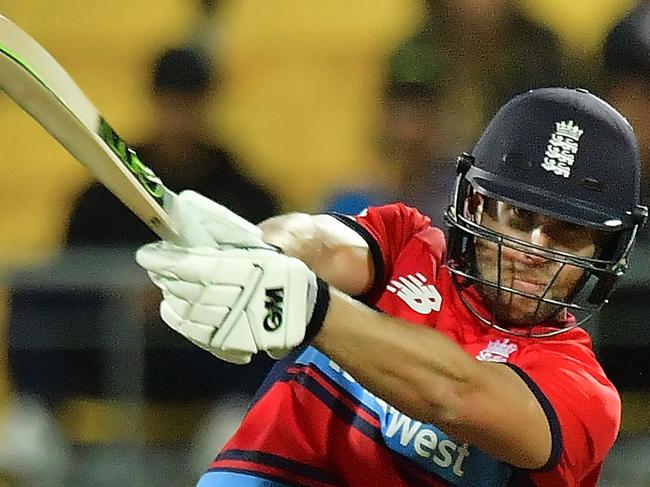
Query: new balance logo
point(273, 303)
point(412, 289)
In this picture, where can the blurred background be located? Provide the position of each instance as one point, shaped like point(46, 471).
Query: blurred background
point(266, 107)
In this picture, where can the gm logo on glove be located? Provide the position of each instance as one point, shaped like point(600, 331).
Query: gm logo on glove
point(273, 301)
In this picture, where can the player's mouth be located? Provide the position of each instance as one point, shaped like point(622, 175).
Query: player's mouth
point(529, 286)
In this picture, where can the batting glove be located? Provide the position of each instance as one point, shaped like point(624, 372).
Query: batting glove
point(203, 222)
point(235, 302)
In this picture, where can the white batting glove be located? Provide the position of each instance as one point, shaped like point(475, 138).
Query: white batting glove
point(203, 222)
point(235, 302)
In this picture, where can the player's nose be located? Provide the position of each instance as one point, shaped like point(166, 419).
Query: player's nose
point(529, 255)
point(538, 238)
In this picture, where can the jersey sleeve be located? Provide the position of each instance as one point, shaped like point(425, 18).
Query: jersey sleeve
point(387, 230)
point(583, 409)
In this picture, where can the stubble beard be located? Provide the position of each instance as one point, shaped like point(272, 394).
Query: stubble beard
point(514, 309)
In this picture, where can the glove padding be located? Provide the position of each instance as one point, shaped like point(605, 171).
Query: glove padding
point(234, 302)
point(203, 222)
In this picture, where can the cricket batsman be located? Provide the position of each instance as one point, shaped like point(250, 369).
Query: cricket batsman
point(411, 357)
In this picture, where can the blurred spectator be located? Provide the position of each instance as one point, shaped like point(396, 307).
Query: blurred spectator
point(624, 343)
point(467, 59)
point(410, 138)
point(626, 58)
point(623, 338)
point(180, 151)
point(494, 51)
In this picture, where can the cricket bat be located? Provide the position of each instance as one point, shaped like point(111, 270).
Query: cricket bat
point(41, 87)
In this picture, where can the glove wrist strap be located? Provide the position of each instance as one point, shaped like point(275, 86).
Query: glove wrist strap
point(320, 310)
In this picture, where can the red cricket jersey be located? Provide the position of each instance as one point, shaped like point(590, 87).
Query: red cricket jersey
point(311, 424)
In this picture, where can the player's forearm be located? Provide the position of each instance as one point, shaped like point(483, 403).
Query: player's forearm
point(428, 377)
point(332, 250)
point(415, 369)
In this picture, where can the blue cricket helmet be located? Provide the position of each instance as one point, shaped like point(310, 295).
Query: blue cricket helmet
point(562, 153)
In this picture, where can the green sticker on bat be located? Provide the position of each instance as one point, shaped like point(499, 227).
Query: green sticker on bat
point(128, 156)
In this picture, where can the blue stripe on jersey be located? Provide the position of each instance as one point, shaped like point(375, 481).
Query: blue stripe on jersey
point(424, 444)
point(343, 411)
point(350, 397)
point(239, 478)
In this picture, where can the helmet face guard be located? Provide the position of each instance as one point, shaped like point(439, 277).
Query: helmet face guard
point(567, 156)
point(599, 272)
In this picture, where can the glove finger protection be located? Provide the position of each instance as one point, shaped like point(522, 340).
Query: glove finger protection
point(203, 222)
point(197, 334)
point(157, 279)
point(195, 265)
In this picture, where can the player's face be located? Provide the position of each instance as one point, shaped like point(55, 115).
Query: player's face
point(523, 270)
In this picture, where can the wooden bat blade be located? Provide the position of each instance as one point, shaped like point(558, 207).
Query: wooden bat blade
point(42, 88)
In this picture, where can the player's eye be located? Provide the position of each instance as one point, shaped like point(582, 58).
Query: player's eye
point(519, 218)
point(572, 236)
point(521, 214)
